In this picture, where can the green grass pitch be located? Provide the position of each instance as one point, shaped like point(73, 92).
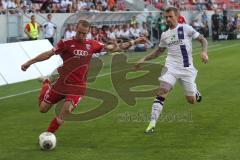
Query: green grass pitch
point(206, 131)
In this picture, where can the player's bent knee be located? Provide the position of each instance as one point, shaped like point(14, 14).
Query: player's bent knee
point(44, 107)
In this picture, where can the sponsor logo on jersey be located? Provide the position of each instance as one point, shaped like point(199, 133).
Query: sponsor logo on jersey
point(78, 52)
point(176, 42)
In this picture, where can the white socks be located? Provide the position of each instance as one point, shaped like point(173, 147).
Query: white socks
point(157, 108)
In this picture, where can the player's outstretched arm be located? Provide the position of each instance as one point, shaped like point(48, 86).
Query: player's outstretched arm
point(116, 47)
point(41, 57)
point(152, 55)
point(204, 43)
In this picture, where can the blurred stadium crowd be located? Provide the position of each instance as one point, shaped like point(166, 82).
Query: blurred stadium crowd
point(60, 6)
point(115, 33)
point(196, 4)
point(74, 6)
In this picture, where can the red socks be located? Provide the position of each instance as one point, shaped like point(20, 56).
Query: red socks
point(53, 126)
point(45, 87)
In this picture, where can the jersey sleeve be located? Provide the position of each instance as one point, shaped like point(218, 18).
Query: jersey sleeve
point(59, 48)
point(192, 32)
point(162, 43)
point(97, 46)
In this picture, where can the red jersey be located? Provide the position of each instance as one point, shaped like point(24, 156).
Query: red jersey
point(181, 19)
point(76, 58)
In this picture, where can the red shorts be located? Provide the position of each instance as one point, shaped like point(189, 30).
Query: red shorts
point(53, 97)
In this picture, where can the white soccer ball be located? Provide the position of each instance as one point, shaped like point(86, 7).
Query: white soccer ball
point(47, 141)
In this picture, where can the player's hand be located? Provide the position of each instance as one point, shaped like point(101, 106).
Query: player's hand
point(112, 47)
point(204, 57)
point(139, 63)
point(25, 66)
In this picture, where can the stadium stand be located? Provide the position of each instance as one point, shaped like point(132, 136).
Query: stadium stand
point(60, 6)
point(196, 4)
point(75, 6)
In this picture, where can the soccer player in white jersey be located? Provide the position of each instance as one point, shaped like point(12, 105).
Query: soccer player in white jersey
point(179, 63)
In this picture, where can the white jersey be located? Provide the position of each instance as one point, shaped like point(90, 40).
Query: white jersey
point(178, 41)
point(49, 29)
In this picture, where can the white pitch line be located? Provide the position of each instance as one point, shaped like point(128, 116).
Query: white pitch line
point(106, 74)
point(19, 94)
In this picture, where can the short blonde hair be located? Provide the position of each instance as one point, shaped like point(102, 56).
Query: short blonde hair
point(174, 9)
point(84, 23)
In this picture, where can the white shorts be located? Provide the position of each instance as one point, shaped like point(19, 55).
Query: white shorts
point(185, 75)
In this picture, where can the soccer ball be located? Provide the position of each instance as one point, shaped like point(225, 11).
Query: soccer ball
point(47, 141)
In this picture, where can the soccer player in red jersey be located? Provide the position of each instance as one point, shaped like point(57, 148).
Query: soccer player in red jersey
point(71, 84)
